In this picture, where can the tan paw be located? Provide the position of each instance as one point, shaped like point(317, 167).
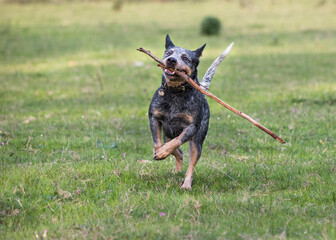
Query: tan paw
point(178, 169)
point(187, 184)
point(162, 153)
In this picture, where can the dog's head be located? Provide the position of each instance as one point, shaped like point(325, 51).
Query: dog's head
point(181, 59)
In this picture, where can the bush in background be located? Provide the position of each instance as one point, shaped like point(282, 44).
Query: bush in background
point(210, 26)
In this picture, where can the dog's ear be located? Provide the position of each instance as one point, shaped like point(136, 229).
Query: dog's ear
point(199, 51)
point(169, 43)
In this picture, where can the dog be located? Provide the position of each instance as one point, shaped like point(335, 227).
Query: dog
point(179, 111)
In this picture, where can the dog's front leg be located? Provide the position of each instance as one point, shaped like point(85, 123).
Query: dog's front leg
point(156, 131)
point(169, 147)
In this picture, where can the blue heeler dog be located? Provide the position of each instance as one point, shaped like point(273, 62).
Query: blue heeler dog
point(179, 110)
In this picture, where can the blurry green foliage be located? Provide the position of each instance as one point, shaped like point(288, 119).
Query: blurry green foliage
point(210, 26)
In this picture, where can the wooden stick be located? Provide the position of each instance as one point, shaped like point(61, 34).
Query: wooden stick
point(209, 94)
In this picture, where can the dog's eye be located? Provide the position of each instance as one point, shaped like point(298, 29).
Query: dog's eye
point(170, 52)
point(186, 59)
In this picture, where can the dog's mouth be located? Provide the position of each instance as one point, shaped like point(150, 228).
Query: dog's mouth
point(172, 74)
point(169, 72)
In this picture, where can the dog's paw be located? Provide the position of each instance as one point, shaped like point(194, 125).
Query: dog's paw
point(187, 184)
point(178, 168)
point(186, 187)
point(164, 151)
point(161, 153)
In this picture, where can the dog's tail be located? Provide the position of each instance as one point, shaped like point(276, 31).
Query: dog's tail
point(205, 83)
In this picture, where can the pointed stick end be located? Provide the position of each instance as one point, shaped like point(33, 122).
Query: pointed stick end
point(280, 140)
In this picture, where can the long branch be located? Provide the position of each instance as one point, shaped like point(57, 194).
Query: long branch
point(209, 94)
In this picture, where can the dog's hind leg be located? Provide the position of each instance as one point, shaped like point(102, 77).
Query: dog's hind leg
point(194, 154)
point(178, 154)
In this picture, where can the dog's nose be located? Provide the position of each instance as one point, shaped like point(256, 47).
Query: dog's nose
point(171, 61)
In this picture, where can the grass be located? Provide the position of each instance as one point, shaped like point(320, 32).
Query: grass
point(74, 131)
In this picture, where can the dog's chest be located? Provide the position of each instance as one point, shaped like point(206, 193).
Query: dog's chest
point(173, 123)
point(176, 112)
point(173, 118)
point(177, 106)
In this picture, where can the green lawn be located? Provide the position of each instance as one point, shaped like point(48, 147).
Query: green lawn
point(76, 150)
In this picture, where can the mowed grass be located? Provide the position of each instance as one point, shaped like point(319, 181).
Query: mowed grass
point(76, 150)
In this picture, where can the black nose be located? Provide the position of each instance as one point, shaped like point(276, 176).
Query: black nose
point(171, 61)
